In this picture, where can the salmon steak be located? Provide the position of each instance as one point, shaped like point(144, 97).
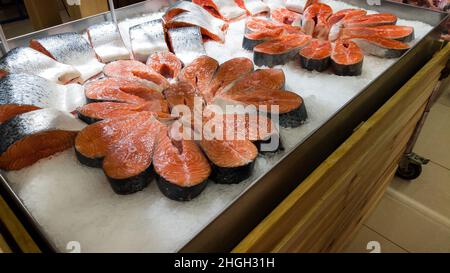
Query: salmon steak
point(381, 47)
point(148, 38)
point(299, 5)
point(285, 16)
point(185, 13)
point(347, 58)
point(134, 70)
point(182, 93)
point(29, 137)
point(289, 106)
point(255, 38)
point(165, 63)
point(264, 78)
point(223, 9)
point(108, 44)
point(226, 74)
point(120, 90)
point(279, 51)
point(314, 20)
point(335, 21)
point(72, 49)
point(199, 74)
point(400, 33)
point(29, 61)
point(253, 7)
point(232, 161)
point(97, 111)
point(182, 169)
point(123, 147)
point(371, 20)
point(316, 55)
point(21, 93)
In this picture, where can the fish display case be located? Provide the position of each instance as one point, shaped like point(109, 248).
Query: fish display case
point(58, 201)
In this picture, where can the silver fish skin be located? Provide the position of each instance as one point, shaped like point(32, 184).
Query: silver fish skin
point(255, 7)
point(125, 25)
point(228, 9)
point(148, 38)
point(26, 89)
point(72, 49)
point(188, 13)
point(186, 43)
point(107, 42)
point(30, 61)
point(34, 122)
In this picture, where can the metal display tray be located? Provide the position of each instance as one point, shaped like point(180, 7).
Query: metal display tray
point(237, 220)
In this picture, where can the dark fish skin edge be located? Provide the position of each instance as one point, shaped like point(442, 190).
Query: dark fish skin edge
point(249, 44)
point(295, 118)
point(315, 64)
point(12, 131)
point(408, 38)
point(347, 70)
point(178, 193)
point(221, 175)
point(120, 186)
point(395, 53)
point(271, 60)
point(87, 119)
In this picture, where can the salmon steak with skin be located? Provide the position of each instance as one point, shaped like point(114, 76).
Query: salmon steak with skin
point(182, 93)
point(316, 55)
point(223, 9)
point(314, 20)
point(381, 47)
point(232, 161)
point(123, 147)
point(264, 78)
point(299, 5)
point(371, 20)
point(98, 111)
point(29, 137)
point(226, 74)
point(279, 51)
point(137, 71)
point(347, 58)
point(165, 63)
point(335, 21)
point(255, 38)
point(400, 33)
point(120, 90)
point(181, 167)
point(199, 74)
point(285, 16)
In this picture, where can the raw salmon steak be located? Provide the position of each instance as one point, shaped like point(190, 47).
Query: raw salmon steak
point(182, 93)
point(123, 147)
point(120, 90)
point(299, 5)
point(72, 49)
point(316, 55)
point(29, 61)
point(335, 22)
point(371, 20)
point(97, 111)
point(22, 93)
point(285, 16)
point(224, 9)
point(29, 137)
point(134, 70)
point(185, 13)
point(280, 50)
point(401, 33)
point(182, 169)
point(314, 20)
point(108, 44)
point(347, 58)
point(165, 63)
point(381, 47)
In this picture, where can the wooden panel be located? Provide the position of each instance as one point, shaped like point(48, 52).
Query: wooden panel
point(87, 8)
point(43, 13)
point(322, 211)
point(15, 228)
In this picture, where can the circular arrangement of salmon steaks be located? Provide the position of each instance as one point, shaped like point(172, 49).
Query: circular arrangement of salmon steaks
point(324, 39)
point(132, 134)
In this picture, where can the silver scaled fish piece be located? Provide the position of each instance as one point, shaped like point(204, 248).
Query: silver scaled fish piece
point(184, 13)
point(25, 89)
point(30, 61)
point(108, 44)
point(125, 25)
point(148, 38)
point(72, 49)
point(186, 43)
